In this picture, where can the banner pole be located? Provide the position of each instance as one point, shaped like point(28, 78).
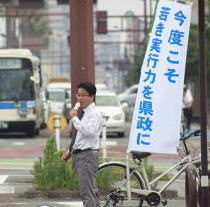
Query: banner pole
point(203, 106)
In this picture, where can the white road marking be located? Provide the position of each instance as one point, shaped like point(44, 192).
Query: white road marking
point(70, 203)
point(18, 143)
point(111, 143)
point(13, 204)
point(3, 178)
point(16, 168)
point(7, 190)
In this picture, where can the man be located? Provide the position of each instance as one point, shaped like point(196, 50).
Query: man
point(85, 149)
point(187, 105)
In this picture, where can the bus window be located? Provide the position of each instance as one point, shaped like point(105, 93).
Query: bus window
point(16, 85)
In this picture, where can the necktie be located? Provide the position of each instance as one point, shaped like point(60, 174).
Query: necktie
point(74, 132)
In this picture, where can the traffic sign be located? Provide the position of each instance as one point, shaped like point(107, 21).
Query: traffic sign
point(51, 121)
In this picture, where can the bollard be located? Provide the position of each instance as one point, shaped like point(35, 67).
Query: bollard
point(103, 143)
point(57, 119)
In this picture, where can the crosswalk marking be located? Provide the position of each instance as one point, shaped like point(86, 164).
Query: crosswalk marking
point(18, 143)
point(7, 189)
point(111, 143)
point(70, 203)
point(3, 178)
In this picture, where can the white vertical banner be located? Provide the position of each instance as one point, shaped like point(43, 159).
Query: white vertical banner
point(157, 114)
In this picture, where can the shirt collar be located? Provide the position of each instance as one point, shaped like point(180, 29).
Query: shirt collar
point(89, 107)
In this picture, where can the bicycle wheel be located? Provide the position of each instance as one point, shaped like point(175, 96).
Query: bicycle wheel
point(191, 197)
point(111, 180)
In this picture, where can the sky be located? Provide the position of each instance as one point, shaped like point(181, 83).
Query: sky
point(119, 7)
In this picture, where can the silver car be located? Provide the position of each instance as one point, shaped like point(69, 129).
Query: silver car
point(109, 105)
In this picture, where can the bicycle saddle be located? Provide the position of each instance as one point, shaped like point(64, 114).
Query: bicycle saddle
point(140, 155)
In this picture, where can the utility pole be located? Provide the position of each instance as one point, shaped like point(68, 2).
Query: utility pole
point(203, 107)
point(81, 43)
point(145, 18)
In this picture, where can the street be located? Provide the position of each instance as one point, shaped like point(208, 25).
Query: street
point(18, 153)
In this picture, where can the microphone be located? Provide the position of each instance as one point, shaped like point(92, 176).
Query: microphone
point(77, 105)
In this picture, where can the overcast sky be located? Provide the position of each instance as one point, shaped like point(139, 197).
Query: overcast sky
point(119, 7)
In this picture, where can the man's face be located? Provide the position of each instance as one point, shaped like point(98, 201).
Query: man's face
point(84, 98)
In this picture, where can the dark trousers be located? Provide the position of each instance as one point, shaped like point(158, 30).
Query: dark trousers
point(188, 115)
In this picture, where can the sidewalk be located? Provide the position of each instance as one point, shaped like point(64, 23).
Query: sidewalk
point(24, 194)
point(47, 203)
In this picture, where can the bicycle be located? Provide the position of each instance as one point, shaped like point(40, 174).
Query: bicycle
point(116, 177)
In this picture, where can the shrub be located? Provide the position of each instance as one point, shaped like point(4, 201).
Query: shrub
point(51, 172)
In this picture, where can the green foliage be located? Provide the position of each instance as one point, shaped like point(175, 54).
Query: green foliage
point(134, 71)
point(51, 172)
point(192, 63)
point(149, 169)
point(108, 177)
point(35, 26)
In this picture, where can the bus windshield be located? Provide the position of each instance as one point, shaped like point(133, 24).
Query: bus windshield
point(16, 84)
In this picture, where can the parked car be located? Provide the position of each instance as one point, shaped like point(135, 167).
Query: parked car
point(101, 87)
point(109, 105)
point(129, 95)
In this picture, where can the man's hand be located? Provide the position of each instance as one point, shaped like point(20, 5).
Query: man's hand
point(66, 156)
point(73, 113)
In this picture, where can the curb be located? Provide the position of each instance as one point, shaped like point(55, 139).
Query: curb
point(55, 194)
point(73, 194)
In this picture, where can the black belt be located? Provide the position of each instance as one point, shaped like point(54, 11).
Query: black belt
point(80, 150)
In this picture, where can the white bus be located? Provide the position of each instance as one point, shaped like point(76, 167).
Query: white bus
point(21, 107)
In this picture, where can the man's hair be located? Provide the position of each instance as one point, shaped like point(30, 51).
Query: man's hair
point(89, 87)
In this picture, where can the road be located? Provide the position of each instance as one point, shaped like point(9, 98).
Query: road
point(18, 146)
point(18, 153)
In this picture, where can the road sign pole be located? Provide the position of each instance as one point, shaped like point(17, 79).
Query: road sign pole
point(104, 137)
point(57, 131)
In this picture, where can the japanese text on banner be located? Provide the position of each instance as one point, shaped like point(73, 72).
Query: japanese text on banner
point(157, 114)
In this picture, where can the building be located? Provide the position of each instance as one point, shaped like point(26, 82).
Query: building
point(56, 57)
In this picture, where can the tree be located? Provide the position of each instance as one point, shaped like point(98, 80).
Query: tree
point(35, 25)
point(192, 65)
point(135, 69)
point(192, 62)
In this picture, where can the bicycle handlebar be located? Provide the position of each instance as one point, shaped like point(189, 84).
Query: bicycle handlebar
point(195, 133)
